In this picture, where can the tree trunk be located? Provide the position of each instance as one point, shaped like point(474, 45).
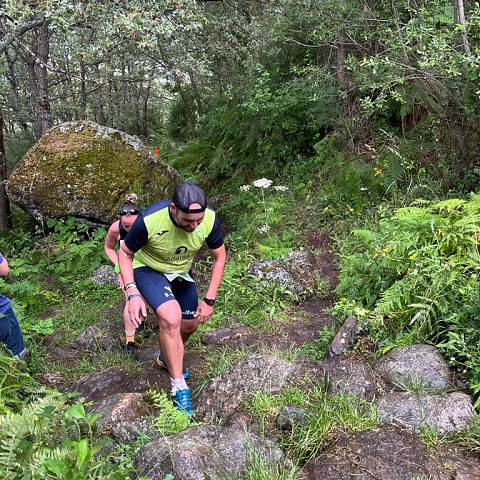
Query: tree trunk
point(30, 59)
point(144, 132)
point(196, 94)
point(83, 91)
point(5, 218)
point(461, 21)
point(43, 100)
point(12, 77)
point(341, 57)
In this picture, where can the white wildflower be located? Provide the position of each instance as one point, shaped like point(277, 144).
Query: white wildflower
point(281, 188)
point(363, 189)
point(264, 229)
point(262, 183)
point(245, 188)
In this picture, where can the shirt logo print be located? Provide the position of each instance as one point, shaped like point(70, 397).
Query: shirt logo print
point(162, 232)
point(180, 250)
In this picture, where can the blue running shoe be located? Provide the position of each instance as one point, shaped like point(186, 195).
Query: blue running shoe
point(163, 365)
point(183, 402)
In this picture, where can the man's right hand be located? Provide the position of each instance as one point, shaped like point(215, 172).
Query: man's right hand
point(137, 310)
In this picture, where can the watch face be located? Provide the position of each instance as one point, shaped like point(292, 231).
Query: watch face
point(209, 301)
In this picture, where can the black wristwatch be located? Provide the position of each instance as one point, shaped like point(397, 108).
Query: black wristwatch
point(209, 301)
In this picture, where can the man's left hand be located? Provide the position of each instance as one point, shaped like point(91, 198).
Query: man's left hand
point(203, 313)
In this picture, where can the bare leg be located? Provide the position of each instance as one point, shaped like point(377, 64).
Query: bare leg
point(129, 326)
point(188, 327)
point(169, 338)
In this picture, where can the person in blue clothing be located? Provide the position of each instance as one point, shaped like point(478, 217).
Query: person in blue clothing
point(10, 332)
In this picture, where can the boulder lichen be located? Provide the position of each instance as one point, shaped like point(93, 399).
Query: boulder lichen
point(84, 170)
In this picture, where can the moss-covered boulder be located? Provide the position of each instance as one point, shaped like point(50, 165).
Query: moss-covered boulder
point(84, 170)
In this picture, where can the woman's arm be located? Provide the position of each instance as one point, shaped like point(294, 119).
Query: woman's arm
point(111, 241)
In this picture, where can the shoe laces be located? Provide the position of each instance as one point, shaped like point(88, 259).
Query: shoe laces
point(183, 400)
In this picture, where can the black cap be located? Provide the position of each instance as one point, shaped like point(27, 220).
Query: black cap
point(185, 194)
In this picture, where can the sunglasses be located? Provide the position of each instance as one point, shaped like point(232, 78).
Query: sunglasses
point(130, 211)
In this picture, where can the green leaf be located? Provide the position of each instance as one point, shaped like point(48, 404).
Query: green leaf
point(76, 411)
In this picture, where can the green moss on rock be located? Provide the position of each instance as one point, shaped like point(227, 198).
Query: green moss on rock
point(84, 169)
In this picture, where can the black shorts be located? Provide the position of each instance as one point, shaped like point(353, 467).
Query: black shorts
point(156, 289)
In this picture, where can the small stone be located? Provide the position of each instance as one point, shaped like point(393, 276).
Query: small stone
point(223, 336)
point(225, 394)
point(121, 407)
point(105, 275)
point(100, 384)
point(292, 417)
point(345, 337)
point(347, 376)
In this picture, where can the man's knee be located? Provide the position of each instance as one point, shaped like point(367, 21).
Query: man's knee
point(169, 316)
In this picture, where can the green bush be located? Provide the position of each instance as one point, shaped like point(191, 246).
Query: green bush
point(261, 127)
point(50, 439)
point(16, 385)
point(417, 274)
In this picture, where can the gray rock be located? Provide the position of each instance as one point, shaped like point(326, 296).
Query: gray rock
point(101, 384)
point(302, 265)
point(274, 271)
point(414, 366)
point(79, 169)
point(105, 335)
point(121, 407)
point(296, 272)
point(345, 337)
point(127, 432)
point(387, 453)
point(225, 394)
point(349, 376)
point(207, 452)
point(292, 417)
point(105, 275)
point(224, 335)
point(444, 413)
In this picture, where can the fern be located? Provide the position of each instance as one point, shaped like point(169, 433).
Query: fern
point(169, 419)
point(42, 442)
point(418, 270)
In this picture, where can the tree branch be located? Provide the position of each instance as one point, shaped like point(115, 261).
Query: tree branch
point(19, 30)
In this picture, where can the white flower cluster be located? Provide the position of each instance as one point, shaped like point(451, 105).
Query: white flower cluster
point(262, 183)
point(264, 229)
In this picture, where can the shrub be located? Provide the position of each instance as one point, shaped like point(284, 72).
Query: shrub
point(417, 275)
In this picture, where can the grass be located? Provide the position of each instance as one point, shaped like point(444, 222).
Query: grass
point(258, 468)
point(317, 349)
point(431, 438)
point(469, 437)
point(91, 363)
point(85, 306)
point(243, 298)
point(417, 385)
point(328, 414)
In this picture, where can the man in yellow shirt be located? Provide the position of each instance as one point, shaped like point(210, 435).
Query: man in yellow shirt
point(155, 262)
